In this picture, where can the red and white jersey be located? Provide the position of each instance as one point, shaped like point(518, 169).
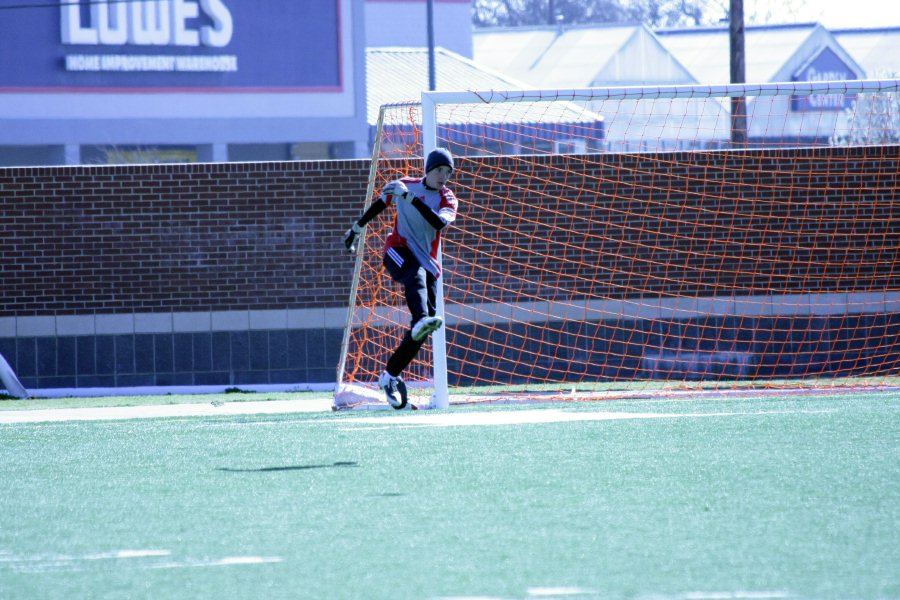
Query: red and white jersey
point(413, 231)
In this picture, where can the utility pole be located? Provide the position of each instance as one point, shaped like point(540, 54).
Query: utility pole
point(551, 12)
point(429, 16)
point(738, 103)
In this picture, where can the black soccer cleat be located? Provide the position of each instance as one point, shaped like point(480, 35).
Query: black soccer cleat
point(394, 390)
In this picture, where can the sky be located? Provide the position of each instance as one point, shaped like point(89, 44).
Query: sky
point(833, 14)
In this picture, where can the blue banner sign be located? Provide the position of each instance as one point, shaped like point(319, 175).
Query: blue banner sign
point(172, 44)
point(825, 66)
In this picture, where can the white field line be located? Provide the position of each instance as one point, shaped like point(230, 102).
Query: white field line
point(538, 416)
point(555, 592)
point(63, 562)
point(738, 595)
point(58, 558)
point(558, 592)
point(402, 418)
point(227, 561)
point(164, 410)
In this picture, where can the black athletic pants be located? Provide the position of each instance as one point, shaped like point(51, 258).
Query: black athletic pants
point(420, 290)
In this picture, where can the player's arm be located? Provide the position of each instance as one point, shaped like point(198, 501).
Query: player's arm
point(373, 211)
point(433, 219)
point(445, 214)
point(397, 189)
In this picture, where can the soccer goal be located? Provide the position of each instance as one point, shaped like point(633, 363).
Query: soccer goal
point(626, 241)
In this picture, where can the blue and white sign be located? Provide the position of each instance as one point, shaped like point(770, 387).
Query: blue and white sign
point(172, 44)
point(825, 66)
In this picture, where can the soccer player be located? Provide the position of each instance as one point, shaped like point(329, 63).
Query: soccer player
point(424, 207)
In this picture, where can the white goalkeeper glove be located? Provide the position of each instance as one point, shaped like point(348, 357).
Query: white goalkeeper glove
point(350, 237)
point(397, 189)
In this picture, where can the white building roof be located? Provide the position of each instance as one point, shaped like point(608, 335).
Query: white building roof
point(581, 56)
point(771, 52)
point(876, 50)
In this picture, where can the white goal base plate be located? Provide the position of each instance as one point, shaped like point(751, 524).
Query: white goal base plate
point(353, 396)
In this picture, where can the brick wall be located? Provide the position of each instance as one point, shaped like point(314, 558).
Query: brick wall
point(263, 236)
point(253, 249)
point(176, 237)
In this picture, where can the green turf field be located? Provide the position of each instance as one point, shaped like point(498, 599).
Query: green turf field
point(696, 498)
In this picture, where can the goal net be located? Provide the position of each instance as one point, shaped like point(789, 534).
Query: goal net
point(644, 240)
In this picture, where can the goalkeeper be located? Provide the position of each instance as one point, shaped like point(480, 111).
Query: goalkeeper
point(424, 207)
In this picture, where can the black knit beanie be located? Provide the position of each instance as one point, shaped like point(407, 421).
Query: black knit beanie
point(438, 157)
